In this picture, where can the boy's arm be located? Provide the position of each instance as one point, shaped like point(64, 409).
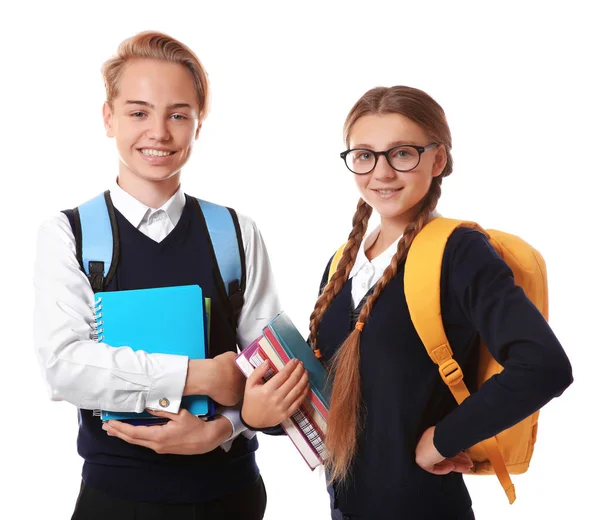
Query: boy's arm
point(79, 370)
point(261, 305)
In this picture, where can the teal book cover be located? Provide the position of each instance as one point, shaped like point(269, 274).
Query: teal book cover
point(165, 320)
point(296, 347)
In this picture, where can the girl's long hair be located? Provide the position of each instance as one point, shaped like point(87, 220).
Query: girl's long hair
point(345, 416)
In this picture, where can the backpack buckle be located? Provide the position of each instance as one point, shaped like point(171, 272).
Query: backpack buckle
point(236, 297)
point(96, 276)
point(451, 372)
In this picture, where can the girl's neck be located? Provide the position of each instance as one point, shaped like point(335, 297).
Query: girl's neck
point(386, 237)
point(152, 193)
point(390, 230)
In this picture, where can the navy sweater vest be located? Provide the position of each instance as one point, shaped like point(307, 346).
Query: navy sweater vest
point(403, 393)
point(184, 257)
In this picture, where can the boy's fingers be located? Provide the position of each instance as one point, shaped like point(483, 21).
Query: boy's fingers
point(166, 415)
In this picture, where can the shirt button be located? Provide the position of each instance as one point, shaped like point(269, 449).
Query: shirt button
point(164, 402)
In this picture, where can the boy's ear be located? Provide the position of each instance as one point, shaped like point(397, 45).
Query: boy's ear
point(198, 131)
point(107, 116)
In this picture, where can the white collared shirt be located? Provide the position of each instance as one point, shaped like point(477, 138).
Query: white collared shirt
point(366, 273)
point(154, 223)
point(93, 375)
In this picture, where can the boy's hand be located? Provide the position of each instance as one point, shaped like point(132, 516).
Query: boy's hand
point(268, 404)
point(219, 378)
point(184, 434)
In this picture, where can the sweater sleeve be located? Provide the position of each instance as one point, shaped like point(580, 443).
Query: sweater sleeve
point(536, 368)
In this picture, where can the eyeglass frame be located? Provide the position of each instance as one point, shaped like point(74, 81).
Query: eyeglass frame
point(420, 150)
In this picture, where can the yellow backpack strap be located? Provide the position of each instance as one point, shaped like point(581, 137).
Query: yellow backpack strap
point(335, 261)
point(422, 282)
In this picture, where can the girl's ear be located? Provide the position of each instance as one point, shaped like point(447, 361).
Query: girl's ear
point(198, 131)
point(439, 163)
point(107, 115)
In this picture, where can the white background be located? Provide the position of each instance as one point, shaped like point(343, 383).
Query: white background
point(519, 85)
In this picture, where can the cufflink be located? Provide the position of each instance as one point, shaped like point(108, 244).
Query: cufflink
point(164, 402)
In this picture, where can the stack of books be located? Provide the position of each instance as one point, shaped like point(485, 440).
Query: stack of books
point(278, 344)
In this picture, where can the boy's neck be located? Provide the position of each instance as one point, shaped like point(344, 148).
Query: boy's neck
point(153, 194)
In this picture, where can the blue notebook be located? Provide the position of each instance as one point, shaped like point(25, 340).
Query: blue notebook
point(166, 320)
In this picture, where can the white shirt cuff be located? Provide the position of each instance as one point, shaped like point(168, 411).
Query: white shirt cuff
point(232, 413)
point(166, 390)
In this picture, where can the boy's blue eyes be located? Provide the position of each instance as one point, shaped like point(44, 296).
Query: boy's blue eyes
point(176, 117)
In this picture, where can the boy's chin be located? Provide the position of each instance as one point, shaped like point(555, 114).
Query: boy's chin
point(153, 175)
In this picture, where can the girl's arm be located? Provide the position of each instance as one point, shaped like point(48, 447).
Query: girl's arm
point(536, 368)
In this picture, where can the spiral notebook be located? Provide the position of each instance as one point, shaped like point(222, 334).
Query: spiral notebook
point(165, 320)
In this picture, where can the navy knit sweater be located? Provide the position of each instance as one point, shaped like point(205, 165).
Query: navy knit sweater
point(132, 472)
point(403, 393)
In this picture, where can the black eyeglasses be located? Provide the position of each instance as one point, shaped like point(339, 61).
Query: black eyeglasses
point(403, 158)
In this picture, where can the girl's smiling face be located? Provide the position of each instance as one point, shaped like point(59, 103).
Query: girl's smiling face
point(395, 195)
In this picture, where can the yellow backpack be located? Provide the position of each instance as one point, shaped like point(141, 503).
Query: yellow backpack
point(510, 451)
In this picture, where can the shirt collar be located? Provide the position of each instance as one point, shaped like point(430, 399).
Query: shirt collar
point(384, 259)
point(135, 211)
point(381, 261)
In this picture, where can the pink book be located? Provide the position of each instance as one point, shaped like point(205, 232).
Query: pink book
point(307, 438)
point(314, 398)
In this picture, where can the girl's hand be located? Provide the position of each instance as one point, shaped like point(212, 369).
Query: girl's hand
point(430, 459)
point(268, 404)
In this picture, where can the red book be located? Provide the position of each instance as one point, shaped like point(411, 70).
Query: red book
point(305, 435)
point(314, 399)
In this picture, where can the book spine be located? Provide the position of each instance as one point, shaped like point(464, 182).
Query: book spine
point(315, 399)
point(308, 439)
point(305, 436)
point(311, 432)
point(307, 452)
point(300, 417)
point(309, 409)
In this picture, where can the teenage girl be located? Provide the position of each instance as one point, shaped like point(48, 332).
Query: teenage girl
point(396, 437)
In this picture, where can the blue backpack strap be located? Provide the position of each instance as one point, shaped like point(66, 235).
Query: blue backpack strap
point(97, 240)
point(225, 235)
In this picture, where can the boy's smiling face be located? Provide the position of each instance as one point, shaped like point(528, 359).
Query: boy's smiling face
point(153, 118)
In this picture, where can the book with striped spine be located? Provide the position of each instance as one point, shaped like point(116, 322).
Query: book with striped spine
point(307, 427)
